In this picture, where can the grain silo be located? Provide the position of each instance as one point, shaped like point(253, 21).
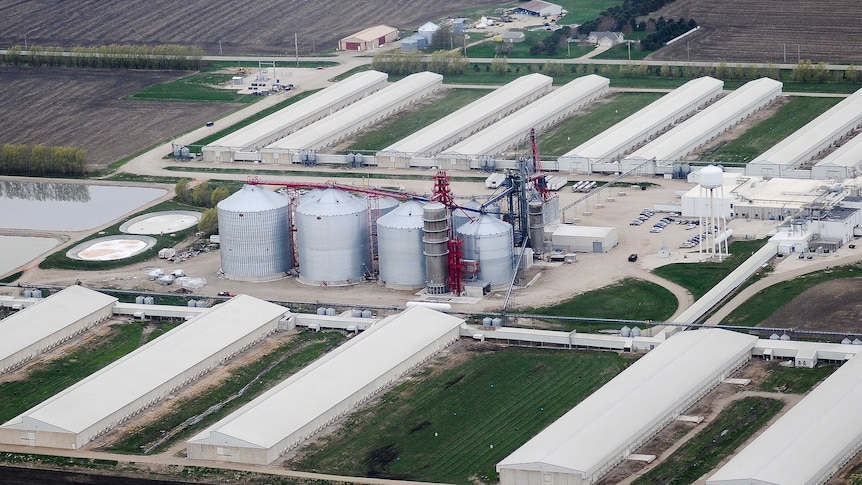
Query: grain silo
point(378, 206)
point(399, 240)
point(332, 236)
point(489, 241)
point(254, 233)
point(462, 214)
point(435, 240)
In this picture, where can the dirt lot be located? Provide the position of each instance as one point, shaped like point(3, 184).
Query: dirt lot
point(84, 108)
point(833, 305)
point(761, 30)
point(229, 27)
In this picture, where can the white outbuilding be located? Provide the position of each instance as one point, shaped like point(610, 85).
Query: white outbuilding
point(243, 144)
point(353, 119)
point(422, 145)
point(810, 443)
point(331, 387)
point(111, 396)
point(609, 425)
point(370, 38)
point(843, 163)
point(50, 322)
point(584, 239)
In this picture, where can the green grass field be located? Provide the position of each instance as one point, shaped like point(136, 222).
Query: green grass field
point(760, 306)
point(453, 425)
point(795, 380)
point(49, 378)
point(630, 299)
point(195, 87)
point(591, 121)
point(407, 123)
point(259, 376)
point(718, 440)
point(698, 278)
point(796, 113)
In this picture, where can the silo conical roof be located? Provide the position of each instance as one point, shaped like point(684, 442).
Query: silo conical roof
point(332, 202)
point(406, 216)
point(253, 198)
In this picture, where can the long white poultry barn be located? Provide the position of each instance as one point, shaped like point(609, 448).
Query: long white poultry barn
point(843, 163)
point(552, 108)
point(285, 416)
point(419, 148)
point(50, 322)
point(362, 114)
point(600, 153)
point(142, 378)
point(703, 127)
point(243, 144)
point(808, 141)
point(609, 425)
point(810, 443)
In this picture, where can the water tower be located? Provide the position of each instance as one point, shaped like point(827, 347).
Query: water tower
point(713, 217)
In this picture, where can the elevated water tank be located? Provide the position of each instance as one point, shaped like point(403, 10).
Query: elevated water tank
point(332, 235)
point(435, 239)
point(254, 230)
point(711, 177)
point(489, 241)
point(400, 250)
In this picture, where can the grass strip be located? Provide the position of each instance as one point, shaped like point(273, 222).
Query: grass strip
point(795, 380)
point(454, 424)
point(735, 424)
point(241, 386)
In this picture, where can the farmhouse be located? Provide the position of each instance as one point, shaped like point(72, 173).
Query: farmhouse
point(610, 424)
point(329, 388)
point(370, 38)
point(50, 322)
point(605, 39)
point(540, 8)
point(144, 377)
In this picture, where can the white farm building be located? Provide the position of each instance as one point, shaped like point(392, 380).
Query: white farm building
point(584, 239)
point(609, 425)
point(243, 144)
point(704, 126)
point(50, 322)
point(810, 443)
point(327, 389)
point(421, 146)
point(783, 159)
point(843, 163)
point(351, 120)
point(540, 114)
point(599, 154)
point(144, 377)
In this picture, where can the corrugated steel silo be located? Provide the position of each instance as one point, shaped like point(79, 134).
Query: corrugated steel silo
point(378, 206)
point(254, 233)
point(333, 240)
point(436, 250)
point(401, 251)
point(489, 241)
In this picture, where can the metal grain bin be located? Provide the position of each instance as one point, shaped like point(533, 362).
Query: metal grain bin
point(399, 239)
point(489, 241)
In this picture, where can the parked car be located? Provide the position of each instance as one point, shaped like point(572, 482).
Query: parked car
point(633, 257)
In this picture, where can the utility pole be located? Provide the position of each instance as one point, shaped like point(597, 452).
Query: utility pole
point(219, 47)
point(296, 47)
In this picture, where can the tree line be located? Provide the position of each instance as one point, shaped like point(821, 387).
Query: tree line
point(400, 62)
point(204, 195)
point(162, 57)
point(41, 161)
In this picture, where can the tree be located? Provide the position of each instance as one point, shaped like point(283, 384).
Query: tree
point(209, 222)
point(445, 39)
point(219, 194)
point(500, 65)
point(851, 75)
point(180, 189)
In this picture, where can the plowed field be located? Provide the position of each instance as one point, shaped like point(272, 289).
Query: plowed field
point(84, 108)
point(263, 27)
point(764, 30)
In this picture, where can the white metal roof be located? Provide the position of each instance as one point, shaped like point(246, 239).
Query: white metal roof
point(49, 316)
point(517, 125)
point(601, 427)
point(813, 436)
point(804, 142)
point(123, 382)
point(330, 380)
point(345, 119)
point(253, 198)
point(572, 230)
point(252, 134)
point(685, 137)
point(684, 99)
point(847, 155)
point(453, 124)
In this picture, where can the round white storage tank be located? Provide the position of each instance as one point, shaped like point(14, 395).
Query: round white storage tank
point(333, 240)
point(711, 177)
point(254, 233)
point(489, 241)
point(400, 248)
point(460, 216)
